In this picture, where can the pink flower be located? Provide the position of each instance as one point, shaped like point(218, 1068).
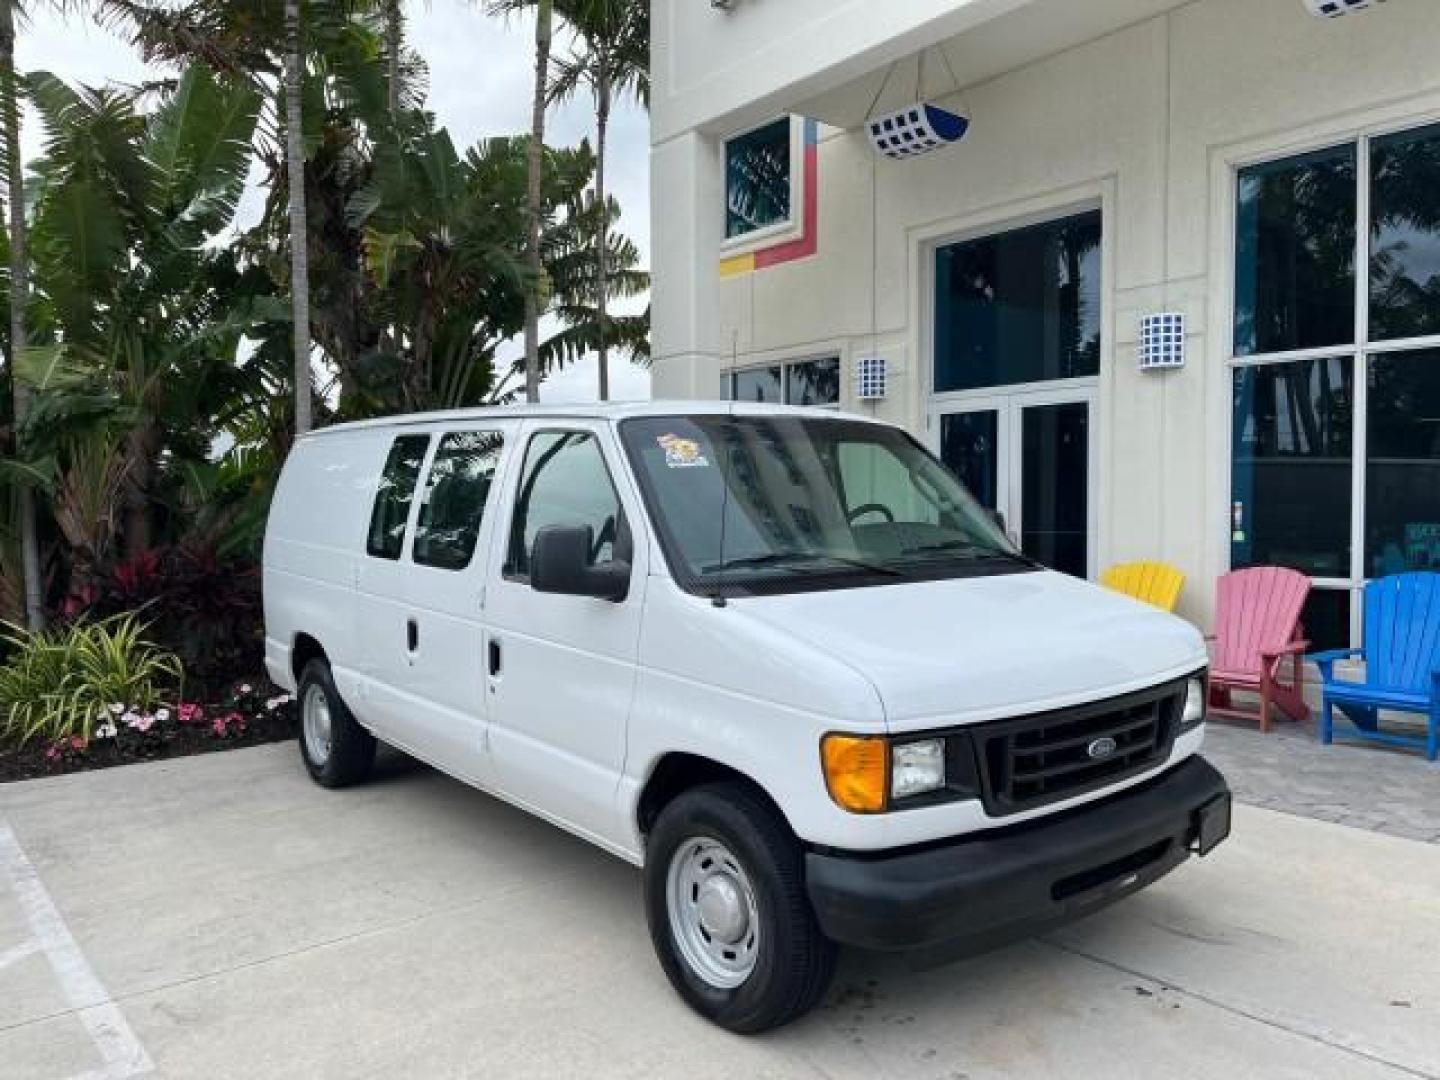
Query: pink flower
point(144, 722)
point(52, 753)
point(191, 713)
point(77, 743)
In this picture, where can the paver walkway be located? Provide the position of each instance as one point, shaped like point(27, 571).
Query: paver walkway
point(1369, 787)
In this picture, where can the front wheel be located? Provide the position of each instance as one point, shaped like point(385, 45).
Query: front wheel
point(337, 751)
point(728, 912)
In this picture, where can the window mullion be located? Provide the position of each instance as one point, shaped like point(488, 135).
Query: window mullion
point(1360, 404)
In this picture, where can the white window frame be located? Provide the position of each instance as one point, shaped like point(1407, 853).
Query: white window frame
point(1358, 351)
point(781, 231)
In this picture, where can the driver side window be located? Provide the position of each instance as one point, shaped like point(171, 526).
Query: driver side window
point(565, 482)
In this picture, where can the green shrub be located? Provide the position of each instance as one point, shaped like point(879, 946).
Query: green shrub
point(59, 683)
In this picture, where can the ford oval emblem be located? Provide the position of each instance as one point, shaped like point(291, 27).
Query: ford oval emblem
point(1101, 748)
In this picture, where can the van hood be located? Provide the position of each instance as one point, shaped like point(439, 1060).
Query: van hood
point(974, 649)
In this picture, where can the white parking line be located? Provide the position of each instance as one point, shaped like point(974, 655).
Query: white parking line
point(119, 1049)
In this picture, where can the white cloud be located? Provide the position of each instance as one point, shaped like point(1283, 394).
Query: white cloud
point(481, 73)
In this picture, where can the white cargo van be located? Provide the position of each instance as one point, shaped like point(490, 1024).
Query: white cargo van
point(779, 658)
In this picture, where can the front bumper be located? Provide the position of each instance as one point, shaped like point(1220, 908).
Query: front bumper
point(983, 891)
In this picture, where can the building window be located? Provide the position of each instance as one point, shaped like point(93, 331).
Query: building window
point(799, 382)
point(1019, 307)
point(758, 190)
point(1325, 365)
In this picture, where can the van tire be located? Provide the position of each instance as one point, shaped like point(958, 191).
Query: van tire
point(352, 748)
point(794, 961)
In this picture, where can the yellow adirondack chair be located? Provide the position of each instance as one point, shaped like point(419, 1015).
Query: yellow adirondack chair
point(1155, 583)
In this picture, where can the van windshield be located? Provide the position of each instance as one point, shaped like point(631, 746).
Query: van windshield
point(765, 504)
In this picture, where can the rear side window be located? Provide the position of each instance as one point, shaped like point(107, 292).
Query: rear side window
point(565, 483)
point(454, 500)
point(394, 495)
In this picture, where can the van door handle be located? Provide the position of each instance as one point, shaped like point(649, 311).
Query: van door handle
point(494, 658)
point(412, 635)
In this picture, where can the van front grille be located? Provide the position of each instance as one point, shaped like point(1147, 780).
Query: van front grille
point(1035, 760)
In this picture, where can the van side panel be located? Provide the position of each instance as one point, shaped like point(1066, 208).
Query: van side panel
point(719, 685)
point(315, 535)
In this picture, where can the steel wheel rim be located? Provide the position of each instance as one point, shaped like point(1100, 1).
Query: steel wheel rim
point(315, 718)
point(713, 916)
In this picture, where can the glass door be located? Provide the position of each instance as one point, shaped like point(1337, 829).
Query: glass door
point(1054, 466)
point(1028, 456)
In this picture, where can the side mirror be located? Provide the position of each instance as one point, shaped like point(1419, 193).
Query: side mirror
point(560, 563)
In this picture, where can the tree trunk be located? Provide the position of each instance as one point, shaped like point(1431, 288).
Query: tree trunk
point(19, 298)
point(393, 42)
point(544, 18)
point(602, 258)
point(299, 257)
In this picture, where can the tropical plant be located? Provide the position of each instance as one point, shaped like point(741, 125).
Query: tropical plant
point(63, 682)
point(141, 316)
point(299, 234)
point(19, 293)
point(202, 605)
point(611, 61)
point(535, 294)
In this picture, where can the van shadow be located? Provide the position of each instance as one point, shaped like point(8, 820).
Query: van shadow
point(875, 999)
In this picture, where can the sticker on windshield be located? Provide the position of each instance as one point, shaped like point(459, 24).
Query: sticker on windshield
point(682, 453)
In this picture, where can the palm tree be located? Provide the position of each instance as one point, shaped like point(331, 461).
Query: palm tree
point(535, 165)
point(612, 61)
point(299, 257)
point(19, 299)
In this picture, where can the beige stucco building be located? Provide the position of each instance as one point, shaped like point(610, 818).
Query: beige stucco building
point(1265, 171)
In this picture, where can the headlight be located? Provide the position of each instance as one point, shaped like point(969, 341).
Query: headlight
point(917, 768)
point(1194, 713)
point(869, 774)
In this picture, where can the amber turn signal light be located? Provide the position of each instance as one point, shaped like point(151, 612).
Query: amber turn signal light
point(857, 771)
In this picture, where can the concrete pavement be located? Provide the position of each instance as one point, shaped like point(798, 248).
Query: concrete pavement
point(221, 917)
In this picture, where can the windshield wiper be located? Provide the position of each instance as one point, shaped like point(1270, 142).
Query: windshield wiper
point(971, 549)
point(798, 559)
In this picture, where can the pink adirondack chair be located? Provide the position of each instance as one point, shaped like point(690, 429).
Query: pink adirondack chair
point(1257, 625)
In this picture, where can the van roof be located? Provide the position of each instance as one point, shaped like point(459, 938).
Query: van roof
point(612, 411)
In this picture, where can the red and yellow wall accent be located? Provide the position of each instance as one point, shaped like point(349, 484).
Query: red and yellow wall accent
point(807, 243)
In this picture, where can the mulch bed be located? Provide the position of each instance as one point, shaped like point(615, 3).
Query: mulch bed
point(244, 719)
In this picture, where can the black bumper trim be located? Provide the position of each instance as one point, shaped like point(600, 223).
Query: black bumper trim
point(995, 887)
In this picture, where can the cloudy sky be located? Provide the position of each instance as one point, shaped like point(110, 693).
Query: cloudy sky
point(480, 78)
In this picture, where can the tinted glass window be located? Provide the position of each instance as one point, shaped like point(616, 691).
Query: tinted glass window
point(1292, 466)
point(1295, 253)
point(1054, 507)
point(1405, 235)
point(565, 482)
point(1402, 523)
point(757, 179)
point(970, 445)
point(391, 511)
point(813, 382)
point(1326, 620)
point(454, 499)
point(1023, 306)
point(760, 384)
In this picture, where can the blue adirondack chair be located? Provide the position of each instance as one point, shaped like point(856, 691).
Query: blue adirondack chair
point(1402, 663)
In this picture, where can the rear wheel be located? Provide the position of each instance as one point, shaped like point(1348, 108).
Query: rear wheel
point(336, 750)
point(729, 916)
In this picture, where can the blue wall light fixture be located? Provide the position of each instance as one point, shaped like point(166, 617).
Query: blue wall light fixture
point(915, 130)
